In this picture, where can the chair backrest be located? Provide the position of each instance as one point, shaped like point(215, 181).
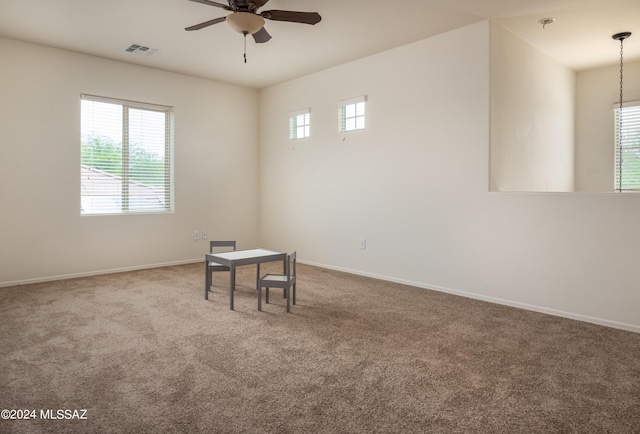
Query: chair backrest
point(291, 263)
point(214, 244)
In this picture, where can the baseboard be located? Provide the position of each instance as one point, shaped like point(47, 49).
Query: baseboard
point(97, 273)
point(505, 302)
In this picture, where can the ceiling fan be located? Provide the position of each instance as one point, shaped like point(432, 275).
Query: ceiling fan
point(246, 19)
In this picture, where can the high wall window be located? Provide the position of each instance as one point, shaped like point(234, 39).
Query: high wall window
point(351, 114)
point(627, 147)
point(126, 157)
point(300, 124)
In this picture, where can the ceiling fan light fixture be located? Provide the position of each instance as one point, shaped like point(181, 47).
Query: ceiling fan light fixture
point(245, 22)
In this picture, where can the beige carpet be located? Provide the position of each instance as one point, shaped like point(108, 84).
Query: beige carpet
point(144, 352)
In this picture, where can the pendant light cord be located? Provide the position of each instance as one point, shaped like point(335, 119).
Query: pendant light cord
point(620, 117)
point(620, 37)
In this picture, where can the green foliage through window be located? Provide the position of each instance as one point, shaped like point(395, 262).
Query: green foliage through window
point(103, 154)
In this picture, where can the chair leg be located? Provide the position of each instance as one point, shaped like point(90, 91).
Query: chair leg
point(294, 293)
point(206, 280)
point(286, 290)
point(266, 299)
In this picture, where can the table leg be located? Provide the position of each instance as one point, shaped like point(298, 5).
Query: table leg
point(232, 284)
point(257, 275)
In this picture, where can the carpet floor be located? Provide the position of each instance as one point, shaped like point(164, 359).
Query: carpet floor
point(143, 352)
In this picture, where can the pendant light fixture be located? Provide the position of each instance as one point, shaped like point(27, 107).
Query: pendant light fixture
point(620, 37)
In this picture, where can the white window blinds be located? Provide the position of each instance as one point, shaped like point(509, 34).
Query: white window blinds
point(627, 147)
point(126, 157)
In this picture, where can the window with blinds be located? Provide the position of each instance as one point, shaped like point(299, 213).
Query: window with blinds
point(351, 114)
point(300, 124)
point(627, 147)
point(126, 157)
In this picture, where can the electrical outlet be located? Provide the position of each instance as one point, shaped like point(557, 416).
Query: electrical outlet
point(196, 235)
point(363, 244)
point(204, 235)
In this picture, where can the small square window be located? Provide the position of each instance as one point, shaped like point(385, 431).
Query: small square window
point(300, 124)
point(352, 114)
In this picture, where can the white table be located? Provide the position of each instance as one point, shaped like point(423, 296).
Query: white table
point(238, 258)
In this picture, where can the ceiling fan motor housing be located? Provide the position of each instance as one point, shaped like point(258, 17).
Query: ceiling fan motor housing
point(243, 6)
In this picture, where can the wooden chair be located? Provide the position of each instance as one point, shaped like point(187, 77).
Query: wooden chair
point(286, 281)
point(212, 267)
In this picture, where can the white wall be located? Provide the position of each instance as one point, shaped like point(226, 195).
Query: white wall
point(414, 184)
point(42, 234)
point(597, 91)
point(532, 117)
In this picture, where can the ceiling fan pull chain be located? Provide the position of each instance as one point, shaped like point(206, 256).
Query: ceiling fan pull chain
point(245, 46)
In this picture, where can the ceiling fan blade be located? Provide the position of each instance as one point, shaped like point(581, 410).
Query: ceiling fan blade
point(206, 24)
point(292, 16)
point(261, 36)
point(216, 4)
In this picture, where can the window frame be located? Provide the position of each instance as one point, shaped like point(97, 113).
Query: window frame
point(125, 206)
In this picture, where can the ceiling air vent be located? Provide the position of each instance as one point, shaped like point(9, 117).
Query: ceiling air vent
point(141, 50)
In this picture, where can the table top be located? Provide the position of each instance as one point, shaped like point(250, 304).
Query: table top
point(235, 255)
point(245, 257)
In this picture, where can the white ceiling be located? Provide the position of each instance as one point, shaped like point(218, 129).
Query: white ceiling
point(350, 29)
